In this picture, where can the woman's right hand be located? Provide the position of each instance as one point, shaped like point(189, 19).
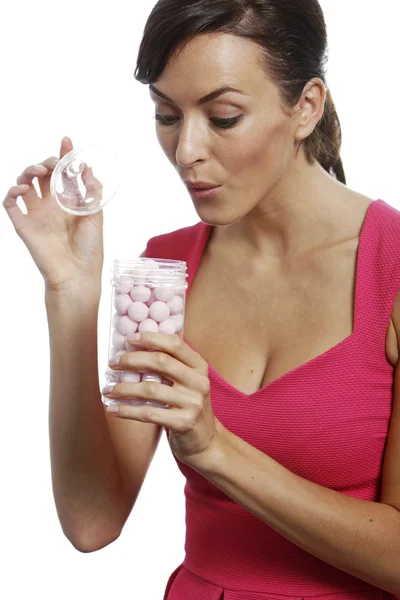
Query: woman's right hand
point(67, 249)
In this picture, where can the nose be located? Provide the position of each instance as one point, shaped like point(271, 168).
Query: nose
point(192, 144)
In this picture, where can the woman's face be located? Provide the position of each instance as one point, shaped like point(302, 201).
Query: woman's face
point(240, 140)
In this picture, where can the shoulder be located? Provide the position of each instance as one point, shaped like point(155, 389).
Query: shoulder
point(391, 231)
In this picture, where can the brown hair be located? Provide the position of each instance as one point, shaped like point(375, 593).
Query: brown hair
point(291, 33)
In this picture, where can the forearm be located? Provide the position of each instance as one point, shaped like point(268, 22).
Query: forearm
point(85, 473)
point(359, 537)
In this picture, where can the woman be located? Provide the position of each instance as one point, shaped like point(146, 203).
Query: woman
point(285, 407)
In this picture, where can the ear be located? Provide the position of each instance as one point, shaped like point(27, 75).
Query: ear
point(309, 109)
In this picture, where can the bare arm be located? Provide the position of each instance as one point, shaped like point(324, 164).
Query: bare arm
point(98, 463)
point(85, 472)
point(97, 466)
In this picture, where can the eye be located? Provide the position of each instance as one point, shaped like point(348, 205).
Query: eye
point(165, 120)
point(226, 123)
point(220, 123)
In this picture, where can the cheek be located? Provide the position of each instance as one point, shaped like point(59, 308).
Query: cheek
point(259, 151)
point(167, 144)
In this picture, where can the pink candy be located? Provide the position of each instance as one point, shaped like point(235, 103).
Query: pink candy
point(138, 311)
point(148, 325)
point(167, 327)
point(164, 293)
point(140, 293)
point(142, 304)
point(126, 326)
point(175, 305)
point(121, 303)
point(118, 340)
point(124, 285)
point(178, 321)
point(159, 311)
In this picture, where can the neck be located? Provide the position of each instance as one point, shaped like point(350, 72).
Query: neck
point(303, 210)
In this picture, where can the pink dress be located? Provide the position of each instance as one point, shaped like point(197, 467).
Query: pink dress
point(326, 420)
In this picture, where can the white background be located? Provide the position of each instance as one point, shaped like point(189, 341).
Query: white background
point(67, 69)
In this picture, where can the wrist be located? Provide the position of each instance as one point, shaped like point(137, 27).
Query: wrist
point(82, 291)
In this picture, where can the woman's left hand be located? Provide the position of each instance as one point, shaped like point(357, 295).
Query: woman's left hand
point(193, 427)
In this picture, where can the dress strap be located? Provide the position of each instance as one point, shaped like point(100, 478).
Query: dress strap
point(378, 274)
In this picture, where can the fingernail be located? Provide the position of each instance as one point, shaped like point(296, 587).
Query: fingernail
point(112, 408)
point(114, 362)
point(39, 168)
point(108, 389)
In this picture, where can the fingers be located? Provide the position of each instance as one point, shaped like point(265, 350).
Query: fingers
point(10, 204)
point(42, 172)
point(156, 361)
point(45, 177)
point(149, 391)
point(171, 344)
point(29, 173)
point(25, 188)
point(94, 187)
point(171, 357)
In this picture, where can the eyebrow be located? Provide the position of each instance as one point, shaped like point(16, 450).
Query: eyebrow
point(208, 98)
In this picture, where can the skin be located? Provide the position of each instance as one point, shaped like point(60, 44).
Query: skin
point(272, 201)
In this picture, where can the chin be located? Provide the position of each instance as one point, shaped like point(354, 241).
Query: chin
point(218, 217)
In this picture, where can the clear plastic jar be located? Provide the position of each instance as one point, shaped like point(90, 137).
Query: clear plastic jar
point(147, 295)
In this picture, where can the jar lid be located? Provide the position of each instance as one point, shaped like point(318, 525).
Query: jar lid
point(85, 180)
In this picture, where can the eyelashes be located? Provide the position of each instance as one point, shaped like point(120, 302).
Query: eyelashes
point(166, 121)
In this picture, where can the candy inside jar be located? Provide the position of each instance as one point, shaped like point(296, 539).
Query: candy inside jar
point(147, 295)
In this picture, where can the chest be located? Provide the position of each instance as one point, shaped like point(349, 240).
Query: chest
point(254, 325)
